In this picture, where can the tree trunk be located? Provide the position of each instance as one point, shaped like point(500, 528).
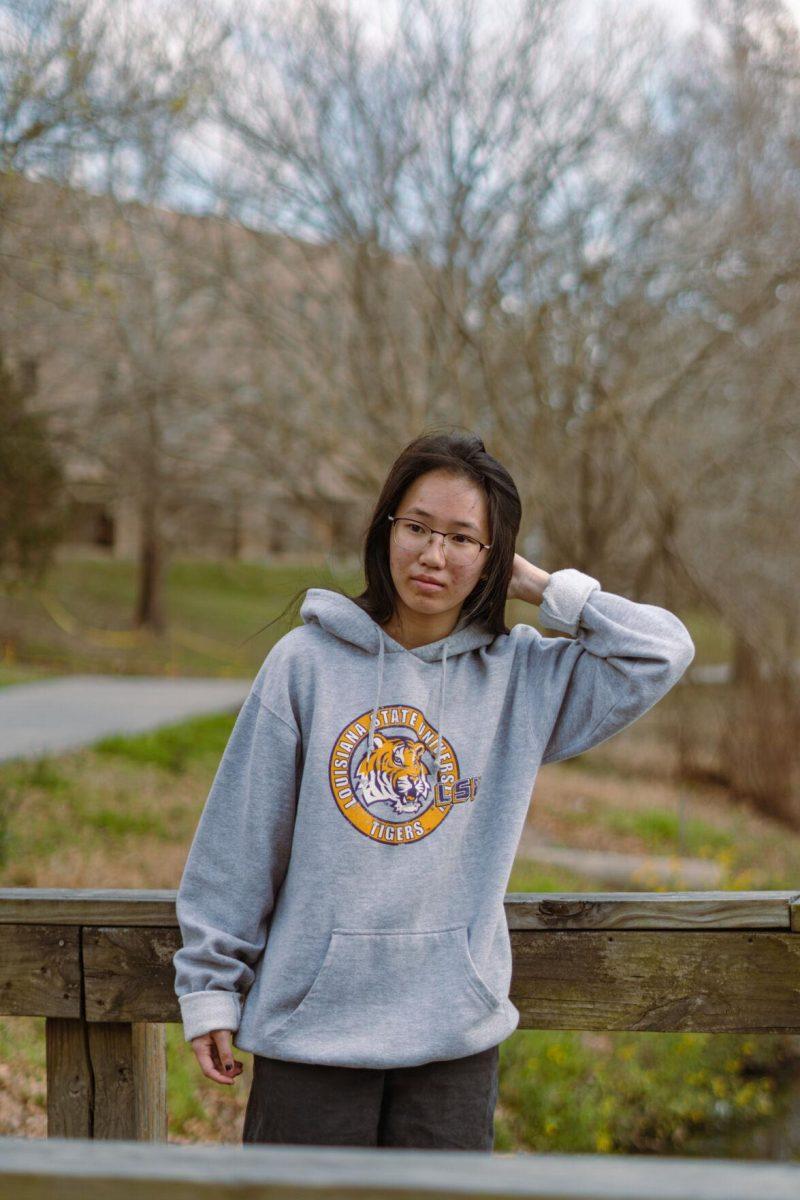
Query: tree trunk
point(759, 745)
point(150, 600)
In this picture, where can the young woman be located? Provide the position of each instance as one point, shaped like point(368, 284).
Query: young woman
point(341, 906)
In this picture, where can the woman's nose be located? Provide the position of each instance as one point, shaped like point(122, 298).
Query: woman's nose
point(434, 551)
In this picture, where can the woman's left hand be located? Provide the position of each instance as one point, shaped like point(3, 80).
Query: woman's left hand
point(527, 581)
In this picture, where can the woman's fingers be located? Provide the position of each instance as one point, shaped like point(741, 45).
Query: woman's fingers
point(213, 1051)
point(224, 1054)
point(202, 1048)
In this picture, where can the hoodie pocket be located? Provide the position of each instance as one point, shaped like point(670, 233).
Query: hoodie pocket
point(376, 986)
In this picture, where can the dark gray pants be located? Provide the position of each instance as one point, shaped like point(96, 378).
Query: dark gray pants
point(443, 1105)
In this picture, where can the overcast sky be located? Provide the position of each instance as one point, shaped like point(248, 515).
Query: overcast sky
point(681, 12)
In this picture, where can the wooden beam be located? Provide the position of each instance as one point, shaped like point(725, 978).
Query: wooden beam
point(561, 978)
point(40, 973)
point(128, 974)
point(149, 1045)
point(672, 980)
point(650, 910)
point(83, 1170)
point(524, 910)
point(88, 906)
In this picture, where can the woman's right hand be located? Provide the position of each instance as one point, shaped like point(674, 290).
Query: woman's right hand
point(214, 1053)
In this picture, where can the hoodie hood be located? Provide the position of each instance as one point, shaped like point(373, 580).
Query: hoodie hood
point(342, 617)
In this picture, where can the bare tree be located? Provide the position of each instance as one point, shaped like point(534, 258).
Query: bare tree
point(422, 168)
point(107, 102)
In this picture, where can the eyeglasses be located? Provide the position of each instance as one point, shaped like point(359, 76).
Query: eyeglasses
point(415, 535)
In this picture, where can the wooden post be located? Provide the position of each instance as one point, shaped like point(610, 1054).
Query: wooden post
point(129, 1068)
point(149, 1043)
point(70, 1088)
point(106, 1079)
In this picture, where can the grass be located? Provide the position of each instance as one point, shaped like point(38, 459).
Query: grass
point(81, 618)
point(11, 674)
point(658, 830)
point(527, 876)
point(122, 814)
point(174, 747)
point(632, 1093)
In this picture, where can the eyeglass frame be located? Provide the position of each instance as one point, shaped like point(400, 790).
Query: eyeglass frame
point(481, 545)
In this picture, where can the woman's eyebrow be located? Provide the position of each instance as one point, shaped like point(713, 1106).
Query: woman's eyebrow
point(422, 513)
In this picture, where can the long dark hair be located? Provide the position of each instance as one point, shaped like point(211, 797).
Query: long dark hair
point(464, 455)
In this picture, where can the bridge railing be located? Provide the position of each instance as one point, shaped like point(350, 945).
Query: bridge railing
point(40, 1170)
point(97, 964)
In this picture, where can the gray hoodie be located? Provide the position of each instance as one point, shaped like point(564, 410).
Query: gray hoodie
point(342, 900)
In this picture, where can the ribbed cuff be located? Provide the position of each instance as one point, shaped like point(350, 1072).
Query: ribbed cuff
point(563, 599)
point(203, 1011)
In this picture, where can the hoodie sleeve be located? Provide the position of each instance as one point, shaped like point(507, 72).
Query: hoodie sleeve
point(624, 657)
point(235, 866)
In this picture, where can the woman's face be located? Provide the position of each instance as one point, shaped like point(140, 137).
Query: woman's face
point(452, 504)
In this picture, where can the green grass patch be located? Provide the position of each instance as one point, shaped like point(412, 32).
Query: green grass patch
point(215, 613)
point(631, 1092)
point(50, 804)
point(43, 773)
point(527, 876)
point(660, 830)
point(19, 778)
point(22, 1043)
point(121, 822)
point(184, 1083)
point(11, 674)
point(173, 748)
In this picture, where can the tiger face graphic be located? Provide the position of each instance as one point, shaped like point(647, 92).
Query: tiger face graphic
point(394, 773)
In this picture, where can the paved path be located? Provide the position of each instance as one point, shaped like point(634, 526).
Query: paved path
point(615, 868)
point(720, 673)
point(75, 710)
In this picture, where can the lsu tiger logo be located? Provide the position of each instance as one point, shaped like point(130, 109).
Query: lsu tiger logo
point(395, 773)
point(388, 792)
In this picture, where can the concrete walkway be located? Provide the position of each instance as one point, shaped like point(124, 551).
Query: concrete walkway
point(720, 673)
point(616, 869)
point(75, 710)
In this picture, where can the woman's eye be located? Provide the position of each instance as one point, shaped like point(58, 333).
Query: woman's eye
point(464, 539)
point(414, 527)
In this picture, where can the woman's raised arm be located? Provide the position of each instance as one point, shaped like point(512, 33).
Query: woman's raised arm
point(622, 658)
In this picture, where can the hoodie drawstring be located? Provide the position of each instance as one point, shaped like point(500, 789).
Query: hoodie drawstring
point(440, 718)
point(442, 705)
point(374, 718)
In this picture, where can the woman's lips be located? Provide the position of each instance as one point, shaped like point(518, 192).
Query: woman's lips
point(427, 585)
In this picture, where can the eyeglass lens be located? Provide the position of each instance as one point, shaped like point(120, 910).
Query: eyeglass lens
point(413, 535)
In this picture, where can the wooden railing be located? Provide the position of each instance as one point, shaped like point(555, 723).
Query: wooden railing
point(97, 964)
point(32, 1169)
